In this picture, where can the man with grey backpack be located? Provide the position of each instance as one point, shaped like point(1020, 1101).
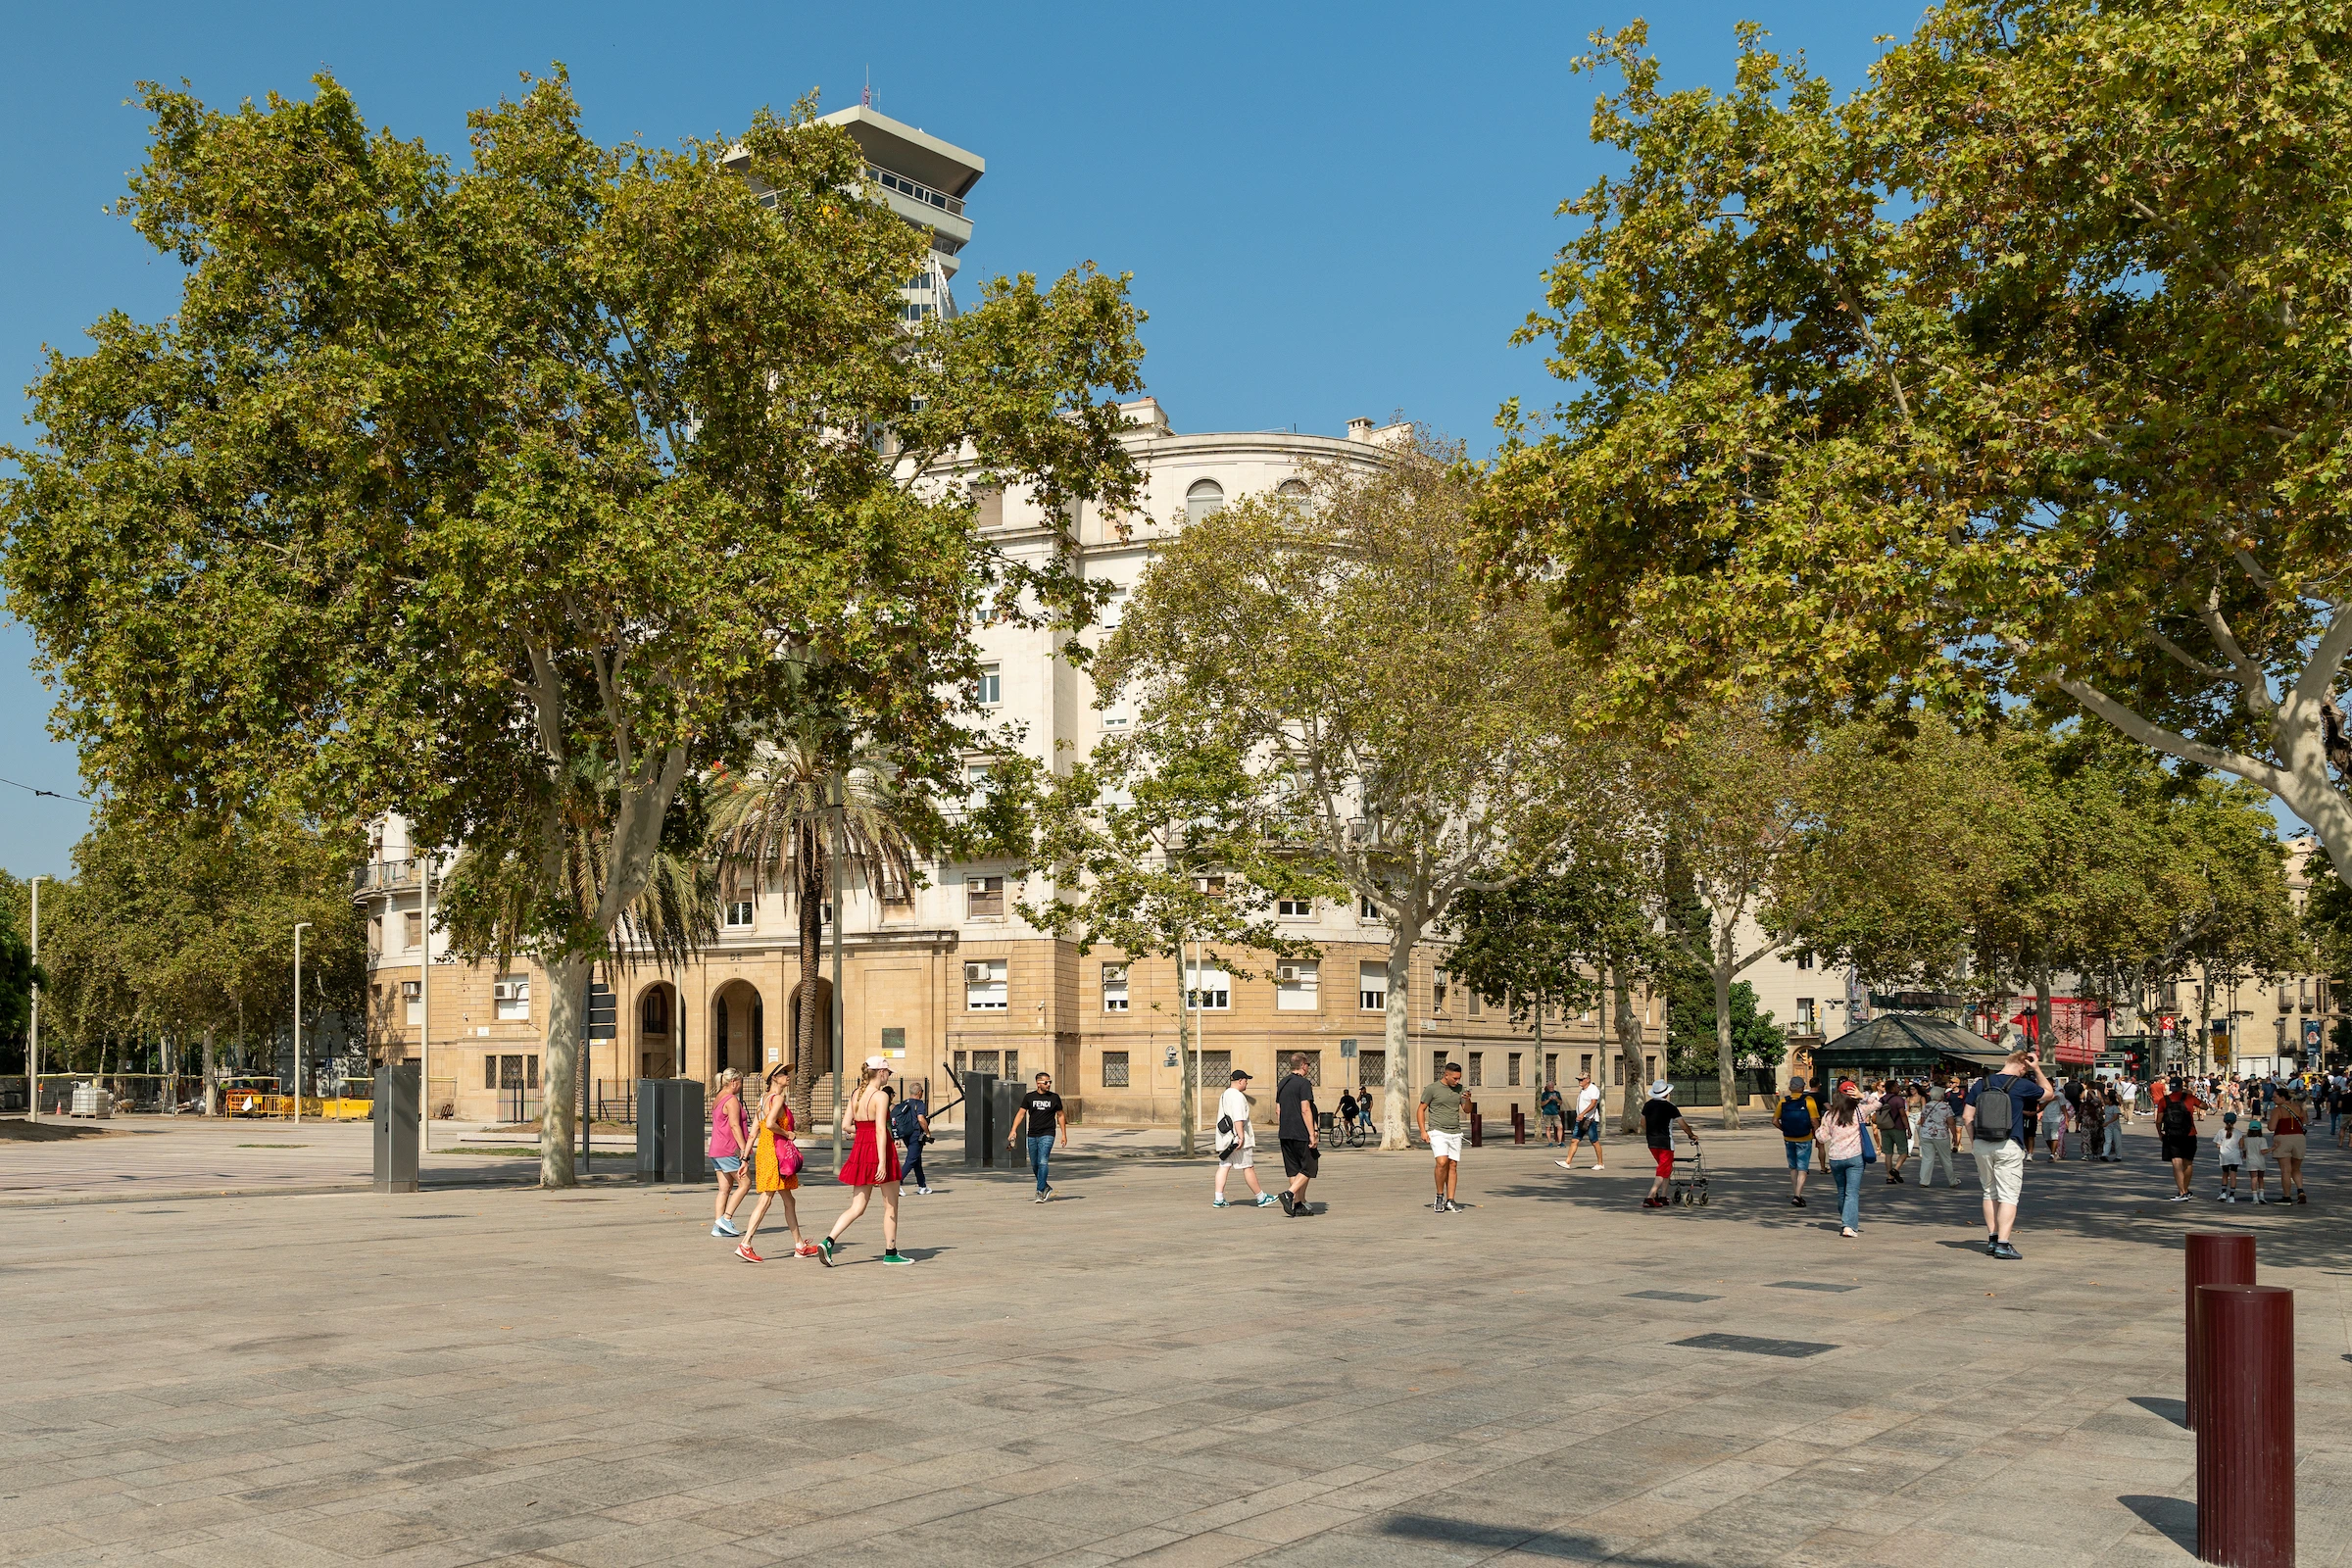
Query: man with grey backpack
point(1996, 1115)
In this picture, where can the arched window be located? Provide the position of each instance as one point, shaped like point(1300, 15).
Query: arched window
point(1292, 490)
point(1205, 497)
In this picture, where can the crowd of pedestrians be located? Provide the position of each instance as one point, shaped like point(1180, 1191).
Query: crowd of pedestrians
point(2001, 1118)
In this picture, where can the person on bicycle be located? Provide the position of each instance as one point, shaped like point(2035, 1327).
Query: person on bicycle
point(1348, 1116)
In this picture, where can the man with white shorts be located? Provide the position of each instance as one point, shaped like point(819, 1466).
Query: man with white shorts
point(1588, 1123)
point(1237, 1143)
point(1439, 1119)
point(1997, 1142)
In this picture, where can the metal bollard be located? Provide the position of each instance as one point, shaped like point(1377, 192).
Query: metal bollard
point(1478, 1129)
point(2246, 1442)
point(2214, 1257)
point(1518, 1125)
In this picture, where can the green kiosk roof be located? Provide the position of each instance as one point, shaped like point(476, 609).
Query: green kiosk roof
point(1896, 1045)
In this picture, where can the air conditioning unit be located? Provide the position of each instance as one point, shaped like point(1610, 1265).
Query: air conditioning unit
point(1290, 971)
point(509, 990)
point(975, 973)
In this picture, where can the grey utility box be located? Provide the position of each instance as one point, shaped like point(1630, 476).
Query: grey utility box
point(397, 1099)
point(669, 1131)
point(979, 1118)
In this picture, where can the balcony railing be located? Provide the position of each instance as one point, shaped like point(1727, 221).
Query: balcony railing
point(909, 188)
point(379, 876)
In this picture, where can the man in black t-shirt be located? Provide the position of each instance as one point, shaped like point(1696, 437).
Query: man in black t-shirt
point(1043, 1115)
point(1659, 1119)
point(1300, 1156)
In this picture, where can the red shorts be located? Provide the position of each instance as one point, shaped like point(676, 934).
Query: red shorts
point(1665, 1158)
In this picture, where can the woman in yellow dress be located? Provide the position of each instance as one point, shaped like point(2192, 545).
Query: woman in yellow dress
point(772, 1138)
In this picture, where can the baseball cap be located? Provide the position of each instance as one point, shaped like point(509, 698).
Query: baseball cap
point(1236, 1075)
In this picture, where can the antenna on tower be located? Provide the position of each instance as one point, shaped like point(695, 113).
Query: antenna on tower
point(869, 86)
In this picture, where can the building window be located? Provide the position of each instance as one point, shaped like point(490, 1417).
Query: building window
point(1477, 1004)
point(1207, 988)
point(511, 995)
point(412, 995)
point(984, 897)
point(984, 986)
point(1804, 961)
point(510, 1072)
point(653, 1014)
point(1114, 996)
point(1212, 884)
point(739, 913)
point(1295, 908)
point(1583, 1066)
point(1551, 1069)
point(1206, 496)
point(412, 928)
point(1298, 987)
point(1650, 1068)
point(1114, 1069)
point(1369, 912)
point(1293, 490)
point(1012, 1066)
point(1440, 984)
point(987, 690)
point(1478, 1069)
point(984, 1061)
point(1371, 1068)
point(1804, 1015)
point(1314, 1066)
point(1512, 1082)
point(1616, 1072)
point(1372, 987)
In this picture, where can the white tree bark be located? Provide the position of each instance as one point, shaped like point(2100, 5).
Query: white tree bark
point(1404, 931)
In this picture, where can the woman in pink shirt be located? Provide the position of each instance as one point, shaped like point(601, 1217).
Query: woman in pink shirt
point(726, 1148)
point(1839, 1136)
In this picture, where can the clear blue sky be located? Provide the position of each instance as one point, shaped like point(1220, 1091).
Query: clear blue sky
point(1329, 211)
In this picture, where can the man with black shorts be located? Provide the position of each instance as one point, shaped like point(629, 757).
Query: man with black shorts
point(2177, 1129)
point(1300, 1156)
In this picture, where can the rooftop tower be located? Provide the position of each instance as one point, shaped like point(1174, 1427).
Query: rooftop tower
point(924, 180)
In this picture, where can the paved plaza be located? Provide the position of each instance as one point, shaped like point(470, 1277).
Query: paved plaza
point(487, 1373)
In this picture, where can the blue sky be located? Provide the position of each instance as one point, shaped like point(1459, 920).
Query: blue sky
point(1329, 211)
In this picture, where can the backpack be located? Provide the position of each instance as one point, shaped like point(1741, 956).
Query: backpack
point(1796, 1117)
point(1893, 1112)
point(1996, 1111)
point(903, 1124)
point(2178, 1123)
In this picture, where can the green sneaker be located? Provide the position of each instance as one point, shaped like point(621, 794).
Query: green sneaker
point(895, 1256)
point(824, 1252)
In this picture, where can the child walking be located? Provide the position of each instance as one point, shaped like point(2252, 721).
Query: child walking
point(2231, 1144)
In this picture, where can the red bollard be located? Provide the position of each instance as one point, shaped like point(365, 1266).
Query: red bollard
point(2215, 1257)
point(1518, 1125)
point(2246, 1444)
point(1478, 1129)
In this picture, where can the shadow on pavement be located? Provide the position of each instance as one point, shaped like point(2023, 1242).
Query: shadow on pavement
point(2173, 1517)
point(2174, 1410)
point(1535, 1543)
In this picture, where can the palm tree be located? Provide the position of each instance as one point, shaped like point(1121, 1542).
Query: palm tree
point(815, 789)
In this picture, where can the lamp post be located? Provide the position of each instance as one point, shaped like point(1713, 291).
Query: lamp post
point(424, 1006)
point(298, 931)
point(32, 1054)
point(840, 793)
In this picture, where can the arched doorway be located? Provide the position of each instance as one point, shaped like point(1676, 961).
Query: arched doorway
point(656, 1012)
point(738, 1030)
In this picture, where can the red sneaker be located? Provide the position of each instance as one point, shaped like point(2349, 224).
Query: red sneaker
point(806, 1249)
point(744, 1251)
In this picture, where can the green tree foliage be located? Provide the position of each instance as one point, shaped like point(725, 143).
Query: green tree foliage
point(184, 932)
point(518, 494)
point(1341, 655)
point(2023, 370)
point(1691, 1034)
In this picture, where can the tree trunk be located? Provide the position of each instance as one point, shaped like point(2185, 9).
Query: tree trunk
point(1726, 1071)
point(1187, 1052)
point(212, 1078)
point(1396, 1034)
point(567, 1023)
point(1628, 1050)
point(806, 1065)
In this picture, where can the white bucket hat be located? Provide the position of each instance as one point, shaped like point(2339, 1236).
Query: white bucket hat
point(1660, 1090)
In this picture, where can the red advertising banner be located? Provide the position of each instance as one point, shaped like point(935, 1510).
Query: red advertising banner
point(2080, 1028)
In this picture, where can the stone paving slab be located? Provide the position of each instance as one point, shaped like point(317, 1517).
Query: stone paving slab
point(483, 1374)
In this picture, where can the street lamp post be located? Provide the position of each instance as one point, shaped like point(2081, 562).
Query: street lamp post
point(298, 931)
point(424, 1006)
point(32, 1054)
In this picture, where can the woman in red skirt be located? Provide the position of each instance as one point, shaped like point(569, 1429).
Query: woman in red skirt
point(873, 1161)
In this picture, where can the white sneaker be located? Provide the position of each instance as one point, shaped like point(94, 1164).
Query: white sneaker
point(1563, 1165)
point(724, 1227)
point(1601, 1168)
point(922, 1191)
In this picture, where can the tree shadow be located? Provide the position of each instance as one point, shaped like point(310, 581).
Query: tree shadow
point(2174, 1410)
point(1535, 1543)
point(2174, 1518)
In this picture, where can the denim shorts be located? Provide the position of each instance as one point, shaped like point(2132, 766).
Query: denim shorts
point(1800, 1154)
point(727, 1161)
point(1588, 1130)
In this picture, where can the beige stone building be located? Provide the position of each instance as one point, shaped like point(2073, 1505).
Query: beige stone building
point(949, 978)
